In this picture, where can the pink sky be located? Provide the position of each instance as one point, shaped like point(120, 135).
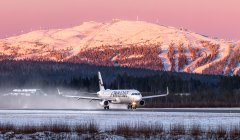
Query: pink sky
point(218, 18)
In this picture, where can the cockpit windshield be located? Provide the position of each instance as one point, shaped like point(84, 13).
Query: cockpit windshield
point(135, 94)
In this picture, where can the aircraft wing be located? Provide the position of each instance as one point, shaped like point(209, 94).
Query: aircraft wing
point(79, 97)
point(155, 96)
point(82, 97)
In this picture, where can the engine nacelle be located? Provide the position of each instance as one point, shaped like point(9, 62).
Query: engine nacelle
point(104, 103)
point(142, 103)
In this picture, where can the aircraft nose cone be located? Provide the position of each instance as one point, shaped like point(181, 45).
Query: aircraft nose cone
point(138, 98)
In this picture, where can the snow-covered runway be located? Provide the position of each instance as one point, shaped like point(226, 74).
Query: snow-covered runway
point(108, 119)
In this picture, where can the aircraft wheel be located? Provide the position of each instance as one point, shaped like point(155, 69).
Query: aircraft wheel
point(107, 107)
point(130, 107)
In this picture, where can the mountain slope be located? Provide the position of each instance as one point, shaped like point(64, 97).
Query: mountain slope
point(129, 44)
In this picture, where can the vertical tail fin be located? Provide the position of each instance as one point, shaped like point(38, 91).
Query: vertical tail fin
point(100, 81)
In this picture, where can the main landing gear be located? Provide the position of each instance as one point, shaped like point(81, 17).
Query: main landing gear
point(106, 107)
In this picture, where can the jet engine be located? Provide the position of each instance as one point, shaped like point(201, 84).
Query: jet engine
point(104, 103)
point(142, 103)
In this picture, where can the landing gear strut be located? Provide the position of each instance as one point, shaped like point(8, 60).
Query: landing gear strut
point(106, 107)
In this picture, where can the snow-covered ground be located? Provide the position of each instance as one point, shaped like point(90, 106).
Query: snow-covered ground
point(108, 119)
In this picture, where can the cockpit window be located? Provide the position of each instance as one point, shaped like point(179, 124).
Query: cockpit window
point(135, 94)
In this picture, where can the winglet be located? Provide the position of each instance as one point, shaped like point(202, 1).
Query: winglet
point(59, 93)
point(167, 91)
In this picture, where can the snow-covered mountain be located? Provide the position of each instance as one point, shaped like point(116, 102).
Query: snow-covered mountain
point(135, 44)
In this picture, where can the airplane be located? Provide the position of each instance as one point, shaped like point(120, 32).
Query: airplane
point(131, 97)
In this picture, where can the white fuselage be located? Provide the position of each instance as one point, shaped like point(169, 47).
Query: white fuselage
point(120, 96)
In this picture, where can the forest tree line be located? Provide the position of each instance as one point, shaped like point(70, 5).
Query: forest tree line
point(205, 90)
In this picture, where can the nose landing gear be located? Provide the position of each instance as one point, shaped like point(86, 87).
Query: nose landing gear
point(131, 106)
point(106, 107)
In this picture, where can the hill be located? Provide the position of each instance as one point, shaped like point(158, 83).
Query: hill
point(134, 44)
